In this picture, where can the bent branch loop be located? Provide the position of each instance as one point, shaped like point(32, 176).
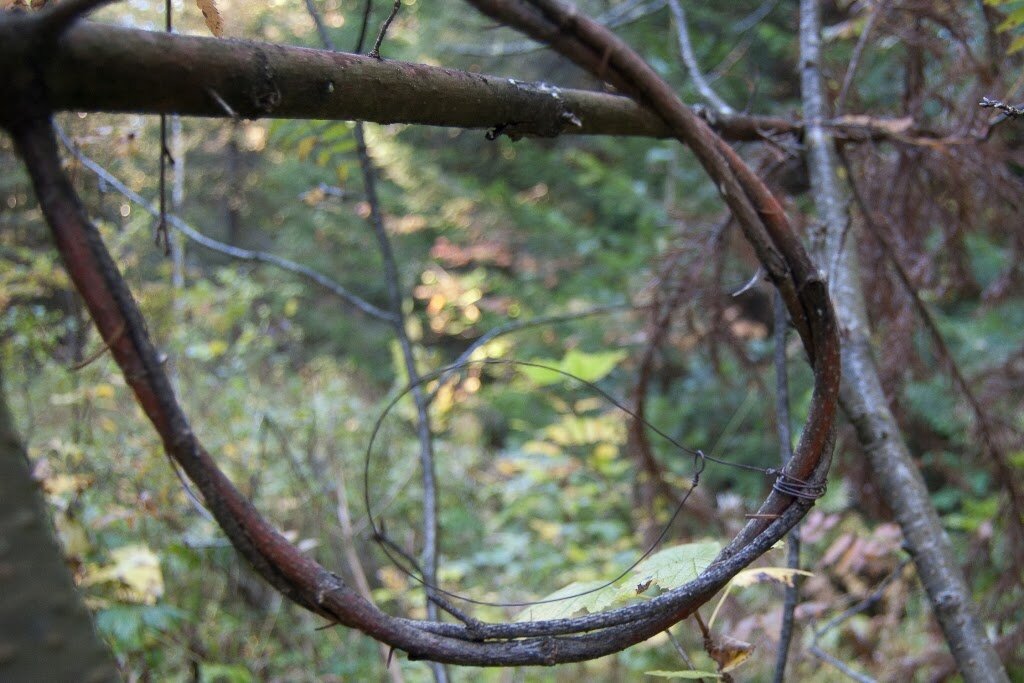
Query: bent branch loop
point(300, 578)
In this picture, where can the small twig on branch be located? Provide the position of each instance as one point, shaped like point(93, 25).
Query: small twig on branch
point(840, 665)
point(355, 566)
point(104, 347)
point(616, 16)
point(1009, 111)
point(375, 50)
point(681, 651)
point(59, 16)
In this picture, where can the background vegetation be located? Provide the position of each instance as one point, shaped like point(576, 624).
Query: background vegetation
point(541, 484)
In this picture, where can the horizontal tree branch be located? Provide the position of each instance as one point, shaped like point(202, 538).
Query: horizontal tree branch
point(188, 75)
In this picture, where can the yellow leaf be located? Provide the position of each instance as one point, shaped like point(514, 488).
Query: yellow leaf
point(542, 448)
point(211, 14)
point(507, 467)
point(73, 537)
point(749, 577)
point(218, 347)
point(605, 451)
point(103, 391)
point(549, 531)
point(305, 147)
point(136, 570)
point(60, 484)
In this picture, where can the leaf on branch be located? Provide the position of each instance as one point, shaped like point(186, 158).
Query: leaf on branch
point(728, 652)
point(675, 566)
point(571, 606)
point(214, 21)
point(786, 575)
point(689, 674)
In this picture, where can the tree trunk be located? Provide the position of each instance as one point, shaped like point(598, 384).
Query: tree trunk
point(46, 632)
point(862, 397)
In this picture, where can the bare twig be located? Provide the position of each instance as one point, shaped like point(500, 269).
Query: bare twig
point(424, 433)
point(375, 50)
point(429, 557)
point(840, 665)
point(754, 18)
point(859, 607)
point(103, 348)
point(785, 453)
point(681, 651)
point(162, 236)
point(877, 11)
point(986, 429)
point(355, 567)
point(690, 60)
point(619, 15)
point(1009, 110)
point(228, 250)
point(59, 16)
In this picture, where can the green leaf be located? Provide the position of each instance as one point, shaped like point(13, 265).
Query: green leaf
point(1012, 21)
point(589, 367)
point(675, 566)
point(570, 606)
point(225, 673)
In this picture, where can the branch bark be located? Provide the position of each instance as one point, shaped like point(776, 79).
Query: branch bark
point(186, 75)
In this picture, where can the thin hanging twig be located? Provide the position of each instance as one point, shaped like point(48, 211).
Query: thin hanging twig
point(785, 454)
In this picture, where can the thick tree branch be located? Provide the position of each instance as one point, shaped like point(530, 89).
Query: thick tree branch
point(188, 75)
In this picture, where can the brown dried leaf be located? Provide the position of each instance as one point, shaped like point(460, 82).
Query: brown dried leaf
point(214, 21)
point(728, 652)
